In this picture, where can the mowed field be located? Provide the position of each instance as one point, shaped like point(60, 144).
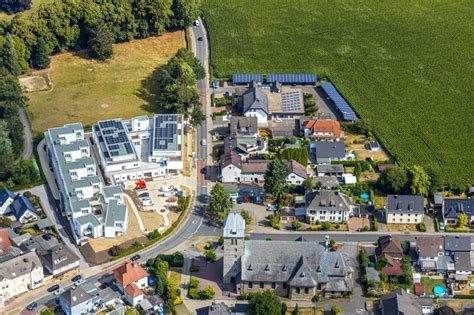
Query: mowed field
point(405, 66)
point(85, 90)
point(34, 6)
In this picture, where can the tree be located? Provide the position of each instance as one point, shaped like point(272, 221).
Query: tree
point(364, 259)
point(207, 293)
point(197, 116)
point(394, 180)
point(219, 205)
point(9, 56)
point(40, 54)
point(185, 12)
point(325, 226)
point(210, 255)
point(246, 216)
point(264, 303)
point(275, 177)
point(6, 157)
point(5, 222)
point(420, 181)
point(405, 247)
point(335, 310)
point(296, 310)
point(100, 42)
point(296, 225)
point(188, 56)
point(308, 183)
point(462, 219)
point(376, 224)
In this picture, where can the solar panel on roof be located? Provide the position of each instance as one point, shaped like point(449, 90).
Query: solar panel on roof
point(288, 78)
point(114, 153)
point(246, 78)
point(341, 104)
point(128, 148)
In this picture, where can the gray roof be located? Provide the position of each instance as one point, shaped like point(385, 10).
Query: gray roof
point(20, 265)
point(20, 206)
point(5, 194)
point(296, 263)
point(243, 126)
point(462, 261)
point(400, 303)
point(17, 239)
point(372, 274)
point(109, 294)
point(88, 219)
point(457, 243)
point(231, 158)
point(75, 296)
point(328, 200)
point(328, 149)
point(110, 191)
point(405, 204)
point(145, 305)
point(297, 169)
point(253, 99)
point(44, 223)
point(59, 257)
point(218, 309)
point(453, 207)
point(115, 213)
point(234, 226)
point(429, 246)
point(330, 168)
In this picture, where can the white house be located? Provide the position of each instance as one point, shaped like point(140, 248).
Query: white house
point(297, 173)
point(404, 209)
point(131, 279)
point(328, 206)
point(20, 274)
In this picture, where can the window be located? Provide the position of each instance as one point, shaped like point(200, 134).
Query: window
point(261, 285)
point(250, 285)
point(393, 219)
point(285, 286)
point(408, 220)
point(298, 290)
point(306, 290)
point(273, 285)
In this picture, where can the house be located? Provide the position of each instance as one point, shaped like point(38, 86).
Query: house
point(452, 208)
point(364, 211)
point(393, 268)
point(20, 274)
point(330, 170)
point(327, 206)
point(429, 250)
point(322, 130)
point(389, 245)
point(326, 152)
point(401, 302)
point(234, 170)
point(83, 198)
point(459, 249)
point(243, 137)
point(373, 146)
point(5, 243)
point(6, 199)
point(297, 173)
point(76, 301)
point(131, 279)
point(295, 269)
point(404, 209)
point(60, 260)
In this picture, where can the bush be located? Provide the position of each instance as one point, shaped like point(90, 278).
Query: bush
point(421, 227)
point(296, 225)
point(436, 223)
point(5, 222)
point(366, 228)
point(193, 293)
point(193, 283)
point(210, 255)
point(153, 235)
point(335, 309)
point(326, 226)
point(246, 216)
point(207, 293)
point(194, 268)
point(116, 250)
point(220, 241)
point(376, 224)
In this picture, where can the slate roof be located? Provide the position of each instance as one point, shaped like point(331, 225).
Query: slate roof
point(254, 99)
point(20, 206)
point(328, 200)
point(243, 126)
point(389, 245)
point(255, 166)
point(429, 246)
point(400, 303)
point(296, 263)
point(457, 243)
point(372, 274)
point(234, 225)
point(75, 296)
point(462, 261)
point(115, 213)
point(44, 223)
point(327, 149)
point(297, 169)
point(405, 204)
point(231, 158)
point(453, 207)
point(5, 194)
point(59, 257)
point(20, 265)
point(330, 168)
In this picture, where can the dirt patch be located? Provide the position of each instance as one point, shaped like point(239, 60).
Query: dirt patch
point(151, 219)
point(104, 105)
point(401, 227)
point(35, 83)
point(96, 258)
point(354, 223)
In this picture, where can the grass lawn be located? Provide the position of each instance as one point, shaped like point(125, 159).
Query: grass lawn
point(34, 6)
point(456, 229)
point(86, 91)
point(402, 65)
point(429, 284)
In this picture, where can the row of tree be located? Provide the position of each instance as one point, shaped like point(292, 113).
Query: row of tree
point(70, 24)
point(406, 180)
point(13, 6)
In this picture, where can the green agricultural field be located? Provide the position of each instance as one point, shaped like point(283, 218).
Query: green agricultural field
point(405, 66)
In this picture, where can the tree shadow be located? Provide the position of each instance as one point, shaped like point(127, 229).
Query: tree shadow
point(150, 91)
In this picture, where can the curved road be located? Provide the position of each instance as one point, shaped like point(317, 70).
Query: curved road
point(27, 137)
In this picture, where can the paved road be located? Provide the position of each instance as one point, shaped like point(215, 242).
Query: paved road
point(27, 138)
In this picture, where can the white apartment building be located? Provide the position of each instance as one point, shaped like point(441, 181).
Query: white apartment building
point(328, 205)
point(19, 275)
point(141, 147)
point(82, 196)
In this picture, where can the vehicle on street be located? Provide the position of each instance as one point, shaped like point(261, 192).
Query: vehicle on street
point(203, 142)
point(79, 282)
point(59, 291)
point(135, 257)
point(200, 38)
point(277, 120)
point(76, 278)
point(441, 226)
point(32, 306)
point(196, 23)
point(53, 288)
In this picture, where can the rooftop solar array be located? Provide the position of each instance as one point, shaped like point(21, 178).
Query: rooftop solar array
point(291, 101)
point(116, 140)
point(165, 133)
point(288, 78)
point(341, 104)
point(246, 78)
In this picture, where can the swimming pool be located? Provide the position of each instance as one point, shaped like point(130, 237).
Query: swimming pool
point(439, 290)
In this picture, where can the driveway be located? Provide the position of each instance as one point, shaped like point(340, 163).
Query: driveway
point(46, 204)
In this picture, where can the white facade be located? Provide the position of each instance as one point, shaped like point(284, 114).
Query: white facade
point(403, 218)
point(294, 179)
point(231, 174)
point(262, 117)
point(327, 216)
point(5, 205)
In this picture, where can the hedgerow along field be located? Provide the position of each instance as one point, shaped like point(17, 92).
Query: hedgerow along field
point(405, 66)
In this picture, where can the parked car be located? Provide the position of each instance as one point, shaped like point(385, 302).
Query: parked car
point(135, 257)
point(53, 288)
point(46, 237)
point(59, 291)
point(200, 39)
point(79, 282)
point(146, 202)
point(32, 306)
point(239, 200)
point(258, 200)
point(144, 195)
point(441, 226)
point(76, 278)
point(203, 141)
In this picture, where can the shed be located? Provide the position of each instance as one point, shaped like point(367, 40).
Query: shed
point(372, 274)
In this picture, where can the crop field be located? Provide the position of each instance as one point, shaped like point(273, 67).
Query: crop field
point(84, 90)
point(405, 66)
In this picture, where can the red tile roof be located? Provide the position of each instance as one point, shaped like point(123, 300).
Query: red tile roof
point(5, 243)
point(133, 290)
point(128, 273)
point(324, 125)
point(393, 267)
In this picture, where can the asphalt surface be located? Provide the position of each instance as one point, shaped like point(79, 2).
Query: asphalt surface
point(27, 137)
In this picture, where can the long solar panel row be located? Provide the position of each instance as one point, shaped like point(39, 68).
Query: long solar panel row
point(341, 104)
point(244, 78)
point(289, 78)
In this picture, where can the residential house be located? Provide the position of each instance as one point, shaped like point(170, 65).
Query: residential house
point(295, 269)
point(401, 302)
point(404, 209)
point(131, 280)
point(76, 301)
point(297, 173)
point(326, 152)
point(389, 245)
point(430, 249)
point(6, 199)
point(459, 249)
point(323, 130)
point(5, 243)
point(330, 170)
point(243, 137)
point(393, 267)
point(373, 146)
point(452, 208)
point(234, 170)
point(20, 274)
point(17, 206)
point(83, 198)
point(328, 206)
point(60, 260)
